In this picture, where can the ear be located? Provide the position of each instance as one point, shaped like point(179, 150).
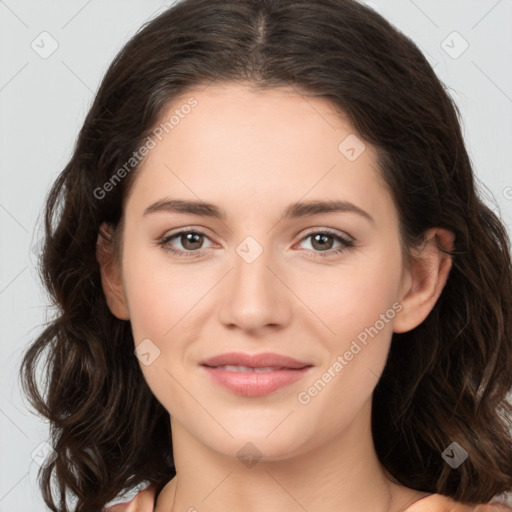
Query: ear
point(424, 280)
point(111, 279)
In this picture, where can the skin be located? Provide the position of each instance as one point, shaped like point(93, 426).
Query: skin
point(253, 153)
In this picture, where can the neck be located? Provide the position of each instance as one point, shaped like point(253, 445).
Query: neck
point(342, 474)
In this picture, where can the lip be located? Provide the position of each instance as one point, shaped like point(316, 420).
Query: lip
point(255, 360)
point(288, 371)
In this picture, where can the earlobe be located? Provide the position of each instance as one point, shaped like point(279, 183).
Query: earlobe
point(111, 280)
point(425, 279)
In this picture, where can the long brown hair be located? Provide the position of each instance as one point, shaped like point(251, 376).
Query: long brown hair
point(445, 381)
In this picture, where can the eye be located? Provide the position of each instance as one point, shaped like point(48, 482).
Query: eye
point(191, 241)
point(322, 243)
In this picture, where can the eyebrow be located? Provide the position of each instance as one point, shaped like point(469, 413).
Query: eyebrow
point(293, 211)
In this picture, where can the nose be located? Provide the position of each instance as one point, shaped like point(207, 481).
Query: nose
point(255, 296)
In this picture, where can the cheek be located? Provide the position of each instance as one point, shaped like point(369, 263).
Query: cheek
point(353, 295)
point(160, 294)
point(165, 304)
point(371, 299)
point(158, 303)
point(359, 311)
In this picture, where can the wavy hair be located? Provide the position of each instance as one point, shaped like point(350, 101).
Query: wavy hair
point(445, 381)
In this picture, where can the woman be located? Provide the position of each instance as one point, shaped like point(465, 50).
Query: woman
point(277, 286)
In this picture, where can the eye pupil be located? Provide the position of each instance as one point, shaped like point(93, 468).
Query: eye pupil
point(321, 237)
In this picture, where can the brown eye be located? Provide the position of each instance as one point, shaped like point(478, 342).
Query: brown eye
point(191, 241)
point(322, 241)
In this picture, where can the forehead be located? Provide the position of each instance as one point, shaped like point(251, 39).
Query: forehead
point(225, 115)
point(257, 145)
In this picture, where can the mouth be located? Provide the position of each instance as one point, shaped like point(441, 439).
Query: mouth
point(254, 375)
point(247, 369)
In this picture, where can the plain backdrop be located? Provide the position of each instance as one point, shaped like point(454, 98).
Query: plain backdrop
point(52, 57)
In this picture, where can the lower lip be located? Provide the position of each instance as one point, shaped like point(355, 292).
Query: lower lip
point(255, 383)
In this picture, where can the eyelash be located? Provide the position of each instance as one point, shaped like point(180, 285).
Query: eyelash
point(345, 243)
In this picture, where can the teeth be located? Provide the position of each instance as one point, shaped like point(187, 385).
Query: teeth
point(247, 369)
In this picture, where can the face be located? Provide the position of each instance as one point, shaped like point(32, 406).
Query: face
point(322, 287)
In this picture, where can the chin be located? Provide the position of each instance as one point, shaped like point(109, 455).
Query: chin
point(264, 442)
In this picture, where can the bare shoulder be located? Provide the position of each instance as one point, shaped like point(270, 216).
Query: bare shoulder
point(142, 502)
point(440, 503)
point(165, 500)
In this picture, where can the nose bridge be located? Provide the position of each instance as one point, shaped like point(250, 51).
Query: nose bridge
point(254, 297)
point(251, 274)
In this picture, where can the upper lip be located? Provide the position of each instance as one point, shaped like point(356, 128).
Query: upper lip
point(267, 359)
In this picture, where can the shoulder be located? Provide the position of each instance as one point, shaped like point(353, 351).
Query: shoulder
point(143, 501)
point(440, 503)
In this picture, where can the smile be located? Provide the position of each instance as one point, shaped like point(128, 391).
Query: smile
point(247, 381)
point(234, 368)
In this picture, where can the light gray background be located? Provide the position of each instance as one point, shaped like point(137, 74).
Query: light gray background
point(43, 102)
